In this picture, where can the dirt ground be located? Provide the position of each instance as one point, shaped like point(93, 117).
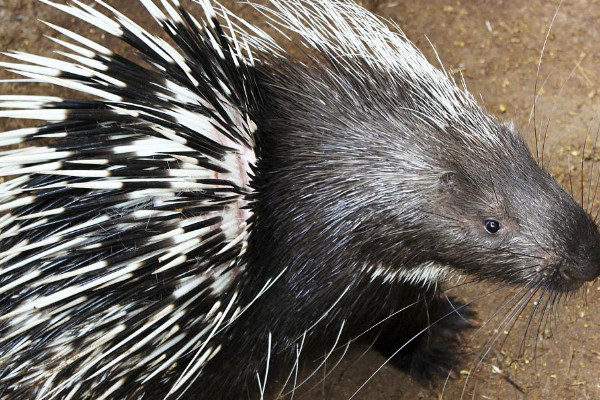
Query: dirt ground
point(496, 46)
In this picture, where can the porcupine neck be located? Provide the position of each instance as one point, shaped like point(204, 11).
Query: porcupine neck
point(332, 174)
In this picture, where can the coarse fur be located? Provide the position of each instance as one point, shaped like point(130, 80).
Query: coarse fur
point(215, 207)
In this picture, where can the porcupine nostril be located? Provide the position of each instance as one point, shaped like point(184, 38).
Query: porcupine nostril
point(578, 274)
point(586, 265)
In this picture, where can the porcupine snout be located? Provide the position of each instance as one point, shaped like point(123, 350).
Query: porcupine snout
point(585, 265)
point(580, 260)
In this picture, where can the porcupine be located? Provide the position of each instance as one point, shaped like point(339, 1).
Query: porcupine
point(213, 204)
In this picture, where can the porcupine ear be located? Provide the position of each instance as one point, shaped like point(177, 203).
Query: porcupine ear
point(133, 200)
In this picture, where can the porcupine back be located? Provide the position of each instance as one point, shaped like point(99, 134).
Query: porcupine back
point(139, 249)
point(123, 219)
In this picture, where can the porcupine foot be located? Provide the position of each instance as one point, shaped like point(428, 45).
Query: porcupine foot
point(436, 351)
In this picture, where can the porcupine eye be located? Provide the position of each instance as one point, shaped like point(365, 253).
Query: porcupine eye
point(491, 225)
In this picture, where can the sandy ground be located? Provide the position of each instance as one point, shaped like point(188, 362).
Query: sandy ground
point(496, 46)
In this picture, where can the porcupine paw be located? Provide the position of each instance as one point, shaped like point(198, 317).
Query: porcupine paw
point(436, 351)
point(430, 360)
point(456, 317)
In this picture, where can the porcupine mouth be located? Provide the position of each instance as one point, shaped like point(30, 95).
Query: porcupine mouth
point(566, 281)
point(558, 279)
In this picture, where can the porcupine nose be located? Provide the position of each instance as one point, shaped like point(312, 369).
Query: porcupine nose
point(580, 274)
point(584, 270)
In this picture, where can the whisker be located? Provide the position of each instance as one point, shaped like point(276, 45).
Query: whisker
point(516, 309)
point(590, 202)
point(535, 87)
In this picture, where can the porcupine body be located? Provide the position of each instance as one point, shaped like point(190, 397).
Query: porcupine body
point(212, 207)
